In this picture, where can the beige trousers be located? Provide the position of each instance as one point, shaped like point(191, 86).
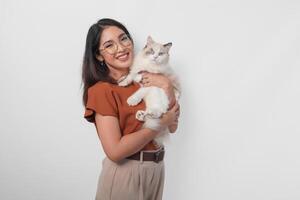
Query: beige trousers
point(131, 180)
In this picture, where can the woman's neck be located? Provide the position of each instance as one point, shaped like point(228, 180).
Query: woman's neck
point(117, 73)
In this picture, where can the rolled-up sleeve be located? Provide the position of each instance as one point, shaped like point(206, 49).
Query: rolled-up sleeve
point(100, 100)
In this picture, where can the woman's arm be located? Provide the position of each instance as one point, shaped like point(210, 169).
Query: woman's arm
point(168, 87)
point(173, 127)
point(114, 145)
point(174, 121)
point(118, 147)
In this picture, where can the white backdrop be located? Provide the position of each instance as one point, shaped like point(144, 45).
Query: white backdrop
point(239, 66)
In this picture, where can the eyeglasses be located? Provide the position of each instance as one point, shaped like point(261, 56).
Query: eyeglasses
point(111, 47)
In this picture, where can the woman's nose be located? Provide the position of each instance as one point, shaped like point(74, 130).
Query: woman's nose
point(120, 47)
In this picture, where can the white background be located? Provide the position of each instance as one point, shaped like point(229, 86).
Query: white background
point(238, 137)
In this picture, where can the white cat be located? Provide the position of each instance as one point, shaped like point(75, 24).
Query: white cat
point(153, 58)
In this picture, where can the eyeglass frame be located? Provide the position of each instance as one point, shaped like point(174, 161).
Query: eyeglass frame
point(114, 43)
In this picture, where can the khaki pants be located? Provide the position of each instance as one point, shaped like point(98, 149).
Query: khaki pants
point(131, 180)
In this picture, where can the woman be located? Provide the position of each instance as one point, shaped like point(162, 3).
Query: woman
point(133, 167)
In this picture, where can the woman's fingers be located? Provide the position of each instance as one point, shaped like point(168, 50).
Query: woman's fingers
point(145, 80)
point(177, 111)
point(145, 83)
point(145, 75)
point(178, 108)
point(177, 114)
point(176, 105)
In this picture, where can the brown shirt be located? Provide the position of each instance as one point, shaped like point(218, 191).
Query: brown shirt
point(110, 99)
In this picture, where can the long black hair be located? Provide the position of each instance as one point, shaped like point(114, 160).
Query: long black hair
point(92, 69)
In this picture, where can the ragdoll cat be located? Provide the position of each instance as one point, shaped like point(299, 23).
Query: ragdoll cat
point(154, 58)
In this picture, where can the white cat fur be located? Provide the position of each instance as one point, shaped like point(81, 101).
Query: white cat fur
point(155, 98)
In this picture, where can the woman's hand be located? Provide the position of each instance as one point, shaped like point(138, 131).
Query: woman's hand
point(173, 126)
point(170, 118)
point(161, 81)
point(153, 79)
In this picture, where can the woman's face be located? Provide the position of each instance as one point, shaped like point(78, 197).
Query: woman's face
point(115, 49)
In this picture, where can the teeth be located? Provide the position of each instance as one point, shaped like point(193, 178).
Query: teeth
point(123, 56)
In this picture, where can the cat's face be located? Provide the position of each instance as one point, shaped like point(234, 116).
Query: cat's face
point(155, 52)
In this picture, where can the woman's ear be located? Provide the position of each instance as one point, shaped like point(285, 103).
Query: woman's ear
point(99, 57)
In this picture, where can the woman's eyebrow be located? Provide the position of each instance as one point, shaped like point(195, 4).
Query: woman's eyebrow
point(122, 34)
point(107, 41)
point(118, 37)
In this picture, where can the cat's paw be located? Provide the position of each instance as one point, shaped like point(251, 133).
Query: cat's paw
point(140, 115)
point(138, 78)
point(132, 100)
point(123, 83)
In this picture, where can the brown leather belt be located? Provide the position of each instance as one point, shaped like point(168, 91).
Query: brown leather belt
point(156, 156)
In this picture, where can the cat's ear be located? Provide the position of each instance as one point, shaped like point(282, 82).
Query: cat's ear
point(149, 40)
point(168, 46)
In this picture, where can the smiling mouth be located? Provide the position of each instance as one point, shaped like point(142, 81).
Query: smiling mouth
point(123, 56)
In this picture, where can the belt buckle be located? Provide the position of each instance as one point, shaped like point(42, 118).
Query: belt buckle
point(157, 155)
point(141, 156)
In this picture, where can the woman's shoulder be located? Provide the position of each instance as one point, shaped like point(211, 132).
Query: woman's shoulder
point(101, 85)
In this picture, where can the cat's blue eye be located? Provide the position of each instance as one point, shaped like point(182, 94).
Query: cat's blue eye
point(150, 52)
point(160, 53)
